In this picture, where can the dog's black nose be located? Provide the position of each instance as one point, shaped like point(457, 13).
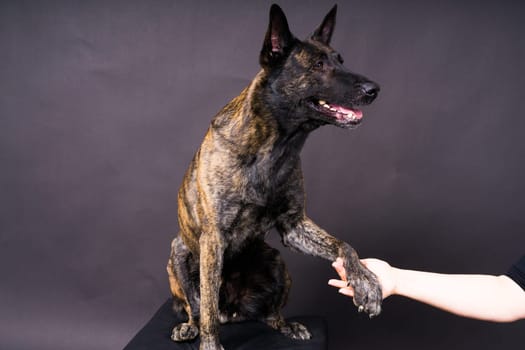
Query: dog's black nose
point(370, 89)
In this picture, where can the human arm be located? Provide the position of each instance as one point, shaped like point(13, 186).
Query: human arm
point(484, 297)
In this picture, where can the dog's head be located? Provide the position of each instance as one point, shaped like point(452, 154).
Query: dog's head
point(309, 76)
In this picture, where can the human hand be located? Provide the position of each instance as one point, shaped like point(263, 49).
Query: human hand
point(384, 272)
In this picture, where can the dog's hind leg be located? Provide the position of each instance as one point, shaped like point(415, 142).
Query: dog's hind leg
point(275, 319)
point(256, 285)
point(183, 273)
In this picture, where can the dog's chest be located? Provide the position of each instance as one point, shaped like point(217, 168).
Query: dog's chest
point(261, 185)
point(263, 197)
point(266, 180)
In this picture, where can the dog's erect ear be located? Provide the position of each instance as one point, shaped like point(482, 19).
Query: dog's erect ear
point(325, 30)
point(278, 39)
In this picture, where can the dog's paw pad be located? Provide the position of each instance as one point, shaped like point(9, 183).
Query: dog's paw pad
point(295, 330)
point(184, 332)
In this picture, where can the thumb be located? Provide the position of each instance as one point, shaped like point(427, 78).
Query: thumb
point(338, 266)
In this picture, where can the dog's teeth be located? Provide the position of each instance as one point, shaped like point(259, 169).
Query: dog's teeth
point(321, 102)
point(333, 109)
point(326, 106)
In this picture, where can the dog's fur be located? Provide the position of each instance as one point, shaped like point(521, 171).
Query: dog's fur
point(246, 179)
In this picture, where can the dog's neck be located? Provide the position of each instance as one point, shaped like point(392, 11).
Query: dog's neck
point(254, 124)
point(292, 129)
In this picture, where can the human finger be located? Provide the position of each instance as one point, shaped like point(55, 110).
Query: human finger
point(338, 266)
point(347, 291)
point(338, 283)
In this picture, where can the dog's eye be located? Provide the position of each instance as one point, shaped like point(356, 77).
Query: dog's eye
point(319, 65)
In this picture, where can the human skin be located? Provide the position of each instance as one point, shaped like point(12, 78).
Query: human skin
point(483, 297)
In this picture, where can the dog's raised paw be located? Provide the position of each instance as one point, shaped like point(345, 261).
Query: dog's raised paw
point(295, 330)
point(184, 332)
point(368, 294)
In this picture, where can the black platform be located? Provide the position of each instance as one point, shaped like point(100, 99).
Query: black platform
point(155, 335)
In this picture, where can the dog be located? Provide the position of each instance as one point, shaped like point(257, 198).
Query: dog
point(246, 179)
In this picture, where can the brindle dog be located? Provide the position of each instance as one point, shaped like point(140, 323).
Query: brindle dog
point(246, 179)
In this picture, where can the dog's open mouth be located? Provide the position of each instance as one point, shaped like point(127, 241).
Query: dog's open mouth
point(342, 115)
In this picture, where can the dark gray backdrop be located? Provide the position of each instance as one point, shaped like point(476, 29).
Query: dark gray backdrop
point(102, 104)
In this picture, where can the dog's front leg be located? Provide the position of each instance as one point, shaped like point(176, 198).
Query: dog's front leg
point(211, 261)
point(305, 236)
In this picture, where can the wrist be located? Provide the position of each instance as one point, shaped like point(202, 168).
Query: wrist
point(396, 279)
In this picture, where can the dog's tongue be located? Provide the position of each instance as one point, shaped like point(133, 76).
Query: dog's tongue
point(356, 112)
point(342, 112)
